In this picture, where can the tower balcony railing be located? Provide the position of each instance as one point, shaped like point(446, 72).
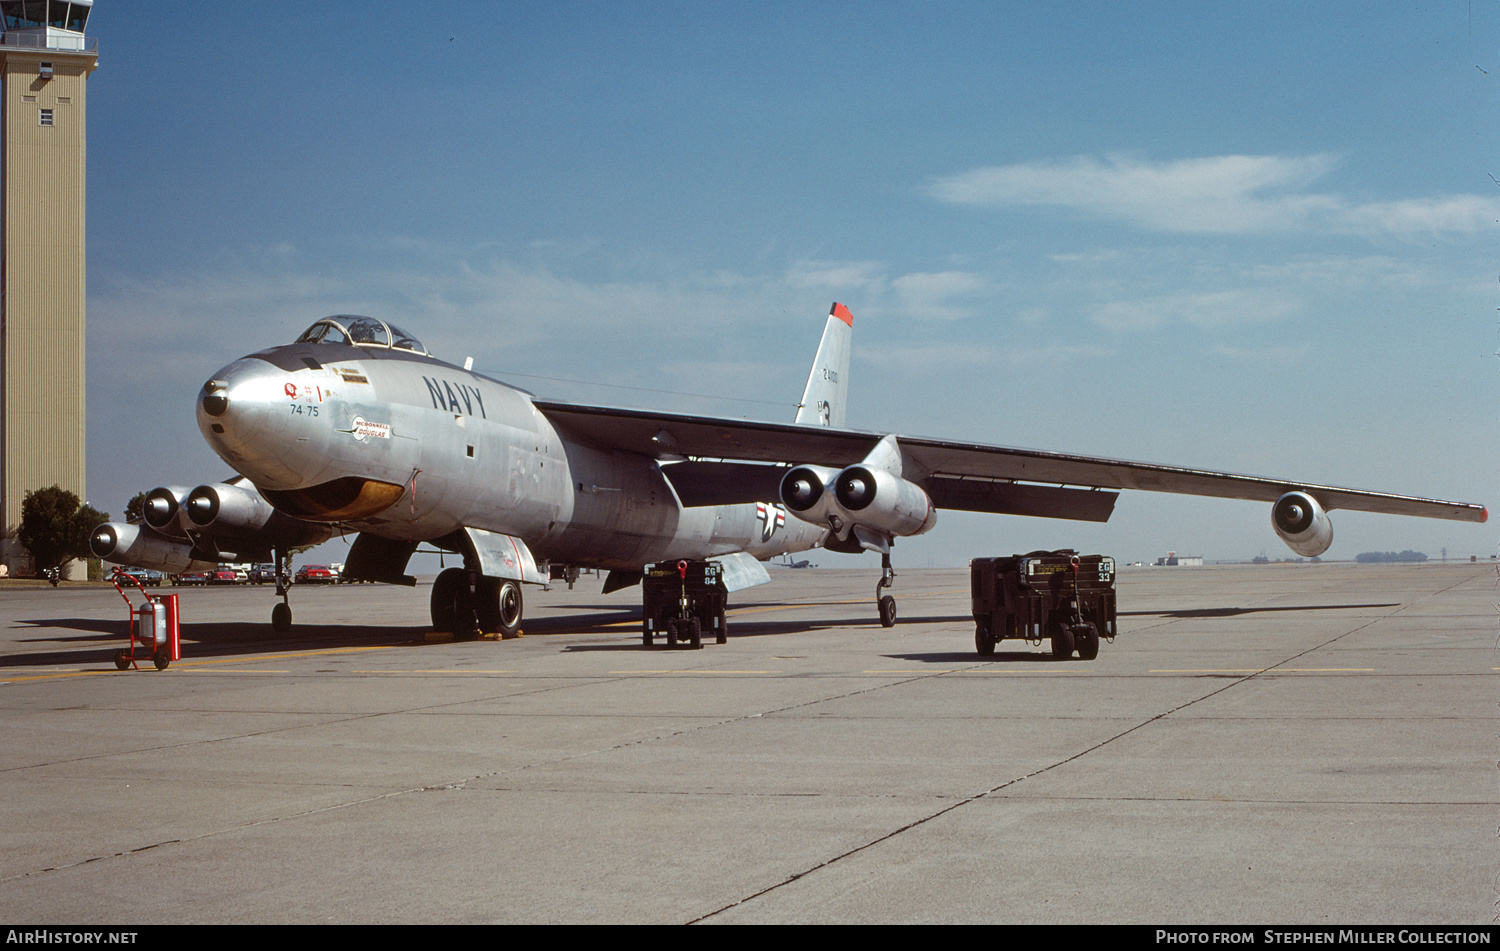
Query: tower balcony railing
point(47, 39)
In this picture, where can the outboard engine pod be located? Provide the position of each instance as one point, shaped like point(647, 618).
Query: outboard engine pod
point(878, 499)
point(126, 544)
point(1301, 522)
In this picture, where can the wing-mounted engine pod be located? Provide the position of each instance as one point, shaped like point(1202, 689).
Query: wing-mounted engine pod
point(238, 519)
point(125, 544)
point(805, 491)
point(878, 499)
point(162, 510)
point(1302, 524)
point(222, 506)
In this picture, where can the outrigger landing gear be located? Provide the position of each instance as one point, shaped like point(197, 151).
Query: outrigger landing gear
point(281, 614)
point(886, 603)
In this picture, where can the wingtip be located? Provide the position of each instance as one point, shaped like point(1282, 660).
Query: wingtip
point(842, 313)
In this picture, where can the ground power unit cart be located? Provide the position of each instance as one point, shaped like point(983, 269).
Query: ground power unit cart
point(1060, 596)
point(685, 600)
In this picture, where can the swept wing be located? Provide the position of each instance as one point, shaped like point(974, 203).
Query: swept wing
point(957, 475)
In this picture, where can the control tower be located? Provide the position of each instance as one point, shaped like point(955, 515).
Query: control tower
point(45, 62)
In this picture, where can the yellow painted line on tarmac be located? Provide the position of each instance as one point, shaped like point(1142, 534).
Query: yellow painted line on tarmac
point(466, 670)
point(1267, 670)
point(220, 670)
point(195, 666)
point(72, 673)
point(721, 672)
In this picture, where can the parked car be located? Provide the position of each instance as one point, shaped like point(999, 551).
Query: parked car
point(225, 574)
point(189, 578)
point(145, 576)
point(316, 574)
point(263, 574)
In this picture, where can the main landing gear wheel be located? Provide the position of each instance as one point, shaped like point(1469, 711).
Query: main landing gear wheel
point(887, 611)
point(494, 606)
point(499, 608)
point(453, 606)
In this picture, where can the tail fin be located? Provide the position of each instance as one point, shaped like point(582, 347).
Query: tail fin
point(828, 383)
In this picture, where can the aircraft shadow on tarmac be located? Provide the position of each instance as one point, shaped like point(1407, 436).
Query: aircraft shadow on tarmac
point(628, 622)
point(1237, 612)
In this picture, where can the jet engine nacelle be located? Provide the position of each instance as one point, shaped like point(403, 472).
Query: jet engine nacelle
point(806, 494)
point(873, 497)
point(126, 544)
point(1302, 524)
point(162, 510)
point(857, 495)
point(238, 519)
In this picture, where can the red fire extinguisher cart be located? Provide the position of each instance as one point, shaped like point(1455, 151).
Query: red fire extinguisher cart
point(153, 628)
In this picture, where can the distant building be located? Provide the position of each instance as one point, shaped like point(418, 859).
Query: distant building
point(1172, 559)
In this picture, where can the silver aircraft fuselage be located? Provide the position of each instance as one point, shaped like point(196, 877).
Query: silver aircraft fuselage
point(408, 447)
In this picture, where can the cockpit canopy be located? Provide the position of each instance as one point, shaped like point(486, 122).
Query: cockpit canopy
point(361, 332)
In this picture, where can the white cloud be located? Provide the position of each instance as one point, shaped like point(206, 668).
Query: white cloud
point(1207, 309)
point(944, 295)
point(1227, 194)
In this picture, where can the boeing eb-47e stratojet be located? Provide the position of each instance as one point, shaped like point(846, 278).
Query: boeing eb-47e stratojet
point(355, 428)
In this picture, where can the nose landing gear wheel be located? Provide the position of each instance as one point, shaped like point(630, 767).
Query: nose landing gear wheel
point(887, 611)
point(281, 618)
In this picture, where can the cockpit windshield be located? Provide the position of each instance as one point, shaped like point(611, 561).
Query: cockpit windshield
point(361, 332)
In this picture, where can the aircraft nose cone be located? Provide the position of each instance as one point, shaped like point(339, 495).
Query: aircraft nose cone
point(242, 412)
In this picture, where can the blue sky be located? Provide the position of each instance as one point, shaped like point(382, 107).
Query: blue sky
point(1252, 237)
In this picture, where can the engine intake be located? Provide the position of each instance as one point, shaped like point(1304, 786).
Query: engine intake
point(1302, 524)
point(804, 490)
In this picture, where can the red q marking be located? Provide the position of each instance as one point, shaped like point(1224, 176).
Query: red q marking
point(291, 390)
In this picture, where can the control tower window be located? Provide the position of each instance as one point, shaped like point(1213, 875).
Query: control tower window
point(34, 14)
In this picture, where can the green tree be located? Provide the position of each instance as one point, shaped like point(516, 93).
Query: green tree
point(55, 527)
point(135, 509)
